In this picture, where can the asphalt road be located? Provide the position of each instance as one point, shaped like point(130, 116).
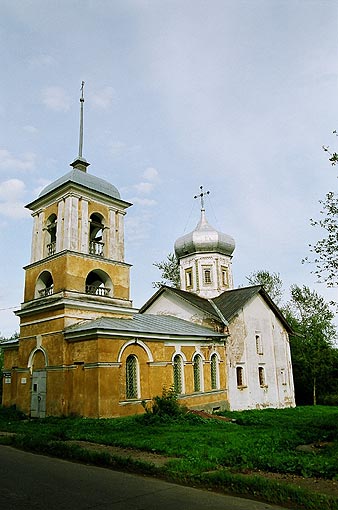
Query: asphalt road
point(36, 482)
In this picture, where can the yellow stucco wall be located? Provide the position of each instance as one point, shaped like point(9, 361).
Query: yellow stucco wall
point(69, 272)
point(88, 378)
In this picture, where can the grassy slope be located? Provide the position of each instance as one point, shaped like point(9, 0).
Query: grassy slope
point(210, 450)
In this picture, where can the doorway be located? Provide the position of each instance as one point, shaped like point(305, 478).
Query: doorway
point(38, 395)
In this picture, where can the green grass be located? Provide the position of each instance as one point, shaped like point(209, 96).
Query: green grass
point(210, 452)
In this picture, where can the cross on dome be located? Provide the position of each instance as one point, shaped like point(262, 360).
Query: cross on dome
point(201, 196)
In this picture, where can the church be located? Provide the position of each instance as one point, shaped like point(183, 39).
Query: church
point(84, 350)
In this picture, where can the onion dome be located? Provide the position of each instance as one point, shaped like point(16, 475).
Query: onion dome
point(204, 239)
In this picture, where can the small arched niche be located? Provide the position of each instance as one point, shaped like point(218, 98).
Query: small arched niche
point(96, 229)
point(99, 283)
point(44, 285)
point(50, 237)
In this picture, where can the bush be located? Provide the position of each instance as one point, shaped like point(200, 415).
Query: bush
point(11, 413)
point(330, 400)
point(166, 405)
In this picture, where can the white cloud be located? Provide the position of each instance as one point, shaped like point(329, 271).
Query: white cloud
point(144, 187)
point(147, 202)
point(8, 161)
point(56, 99)
point(151, 174)
point(42, 184)
point(11, 203)
point(42, 60)
point(104, 98)
point(30, 129)
point(117, 147)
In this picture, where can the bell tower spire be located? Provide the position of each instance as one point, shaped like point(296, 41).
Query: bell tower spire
point(80, 163)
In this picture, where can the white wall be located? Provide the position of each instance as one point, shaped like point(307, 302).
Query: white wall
point(257, 319)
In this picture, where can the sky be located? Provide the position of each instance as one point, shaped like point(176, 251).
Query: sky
point(236, 95)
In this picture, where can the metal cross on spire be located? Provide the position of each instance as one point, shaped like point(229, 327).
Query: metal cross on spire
point(81, 121)
point(201, 196)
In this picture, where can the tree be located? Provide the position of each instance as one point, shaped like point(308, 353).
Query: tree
point(271, 283)
point(326, 249)
point(170, 272)
point(312, 345)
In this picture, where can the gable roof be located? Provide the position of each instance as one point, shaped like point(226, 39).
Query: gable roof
point(142, 326)
point(228, 304)
point(193, 299)
point(231, 301)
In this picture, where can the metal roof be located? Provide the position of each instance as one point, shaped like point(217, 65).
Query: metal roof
point(204, 238)
point(229, 303)
point(144, 325)
point(83, 179)
point(12, 342)
point(193, 299)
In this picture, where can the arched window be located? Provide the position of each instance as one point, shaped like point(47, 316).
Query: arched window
point(44, 285)
point(198, 378)
point(96, 244)
point(99, 283)
point(214, 369)
point(51, 235)
point(178, 374)
point(132, 377)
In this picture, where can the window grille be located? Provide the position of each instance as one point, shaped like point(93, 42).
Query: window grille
point(131, 377)
point(98, 290)
point(178, 374)
point(51, 248)
point(197, 373)
point(48, 291)
point(207, 276)
point(96, 248)
point(214, 372)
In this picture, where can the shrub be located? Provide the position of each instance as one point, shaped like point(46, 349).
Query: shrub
point(166, 405)
point(330, 400)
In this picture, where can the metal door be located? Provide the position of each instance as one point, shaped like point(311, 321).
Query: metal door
point(38, 397)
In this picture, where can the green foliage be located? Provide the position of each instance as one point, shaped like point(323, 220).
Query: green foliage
point(314, 358)
point(271, 282)
point(331, 399)
point(165, 406)
point(326, 249)
point(170, 272)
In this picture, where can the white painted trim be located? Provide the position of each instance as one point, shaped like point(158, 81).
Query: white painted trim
point(31, 356)
point(138, 342)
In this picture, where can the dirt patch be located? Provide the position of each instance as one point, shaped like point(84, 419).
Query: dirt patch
point(125, 453)
point(204, 414)
point(319, 485)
